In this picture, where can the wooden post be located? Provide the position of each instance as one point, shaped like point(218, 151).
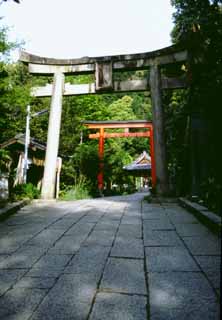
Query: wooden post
point(162, 186)
point(153, 167)
point(101, 164)
point(49, 178)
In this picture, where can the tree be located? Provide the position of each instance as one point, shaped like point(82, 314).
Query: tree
point(198, 26)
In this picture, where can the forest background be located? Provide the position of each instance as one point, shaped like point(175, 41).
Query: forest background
point(192, 116)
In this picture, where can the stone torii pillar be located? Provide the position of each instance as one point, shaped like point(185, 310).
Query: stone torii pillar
point(159, 138)
point(49, 178)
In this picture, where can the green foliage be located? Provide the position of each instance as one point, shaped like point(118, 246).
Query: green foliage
point(198, 26)
point(24, 191)
point(5, 160)
point(177, 140)
point(77, 191)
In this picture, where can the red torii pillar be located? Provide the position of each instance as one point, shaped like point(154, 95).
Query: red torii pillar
point(101, 135)
point(101, 163)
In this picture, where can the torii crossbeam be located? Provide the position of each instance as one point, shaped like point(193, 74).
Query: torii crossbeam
point(126, 125)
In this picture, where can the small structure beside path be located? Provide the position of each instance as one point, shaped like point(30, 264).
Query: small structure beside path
point(141, 167)
point(36, 162)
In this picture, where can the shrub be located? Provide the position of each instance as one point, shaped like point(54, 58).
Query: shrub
point(76, 192)
point(24, 191)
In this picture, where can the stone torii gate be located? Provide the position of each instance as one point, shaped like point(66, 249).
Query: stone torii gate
point(104, 68)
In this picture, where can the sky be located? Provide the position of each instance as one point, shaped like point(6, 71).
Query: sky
point(78, 28)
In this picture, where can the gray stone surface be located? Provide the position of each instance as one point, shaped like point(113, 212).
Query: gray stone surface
point(204, 245)
point(124, 275)
point(161, 238)
point(131, 220)
point(129, 231)
point(70, 298)
point(189, 230)
point(52, 262)
point(179, 295)
point(19, 261)
point(46, 238)
point(161, 259)
point(8, 278)
point(128, 248)
point(100, 237)
point(89, 260)
point(71, 310)
point(85, 260)
point(211, 265)
point(35, 283)
point(67, 244)
point(114, 306)
point(18, 304)
point(44, 273)
point(157, 225)
point(3, 257)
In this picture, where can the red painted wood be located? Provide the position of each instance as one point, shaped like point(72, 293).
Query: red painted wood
point(101, 155)
point(153, 167)
point(101, 135)
point(120, 135)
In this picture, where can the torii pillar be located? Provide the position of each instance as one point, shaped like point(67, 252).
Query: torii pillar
point(162, 185)
point(49, 178)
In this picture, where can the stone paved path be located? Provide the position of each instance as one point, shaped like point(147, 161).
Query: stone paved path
point(112, 258)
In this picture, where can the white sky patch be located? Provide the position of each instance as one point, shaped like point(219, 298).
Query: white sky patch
point(76, 28)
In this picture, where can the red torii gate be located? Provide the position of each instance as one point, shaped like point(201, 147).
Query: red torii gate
point(126, 125)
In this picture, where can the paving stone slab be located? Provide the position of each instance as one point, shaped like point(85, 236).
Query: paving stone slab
point(114, 306)
point(35, 283)
point(133, 213)
point(153, 215)
point(131, 220)
point(100, 237)
point(124, 275)
point(70, 298)
point(52, 262)
point(67, 245)
point(51, 310)
point(19, 261)
point(80, 228)
point(8, 245)
point(107, 226)
point(63, 224)
point(89, 260)
point(9, 278)
point(128, 248)
point(31, 250)
point(3, 257)
point(203, 245)
point(158, 225)
point(181, 217)
point(162, 259)
point(46, 238)
point(129, 231)
point(211, 265)
point(191, 230)
point(44, 273)
point(90, 219)
point(18, 304)
point(161, 238)
point(179, 295)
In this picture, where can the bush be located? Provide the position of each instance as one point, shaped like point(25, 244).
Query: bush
point(24, 191)
point(76, 192)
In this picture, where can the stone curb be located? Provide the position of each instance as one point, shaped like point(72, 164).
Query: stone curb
point(208, 218)
point(12, 208)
